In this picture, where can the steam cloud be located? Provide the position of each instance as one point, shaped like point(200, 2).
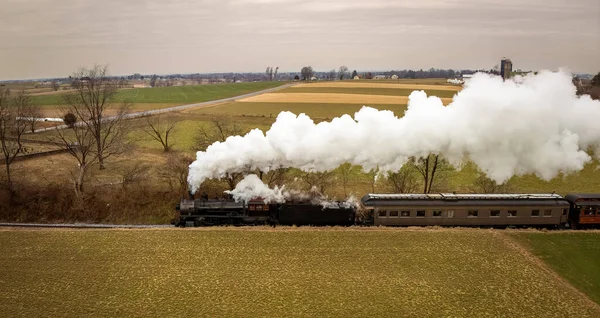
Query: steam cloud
point(534, 124)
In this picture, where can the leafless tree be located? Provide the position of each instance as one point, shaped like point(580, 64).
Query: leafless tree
point(307, 73)
point(90, 103)
point(55, 85)
point(429, 168)
point(176, 172)
point(484, 184)
point(343, 71)
point(123, 82)
point(403, 181)
point(271, 74)
point(318, 181)
point(32, 113)
point(135, 173)
point(331, 75)
point(12, 128)
point(346, 174)
point(80, 143)
point(218, 130)
point(275, 177)
point(373, 176)
point(153, 80)
point(159, 129)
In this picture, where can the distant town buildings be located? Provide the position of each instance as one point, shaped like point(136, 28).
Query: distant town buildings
point(505, 68)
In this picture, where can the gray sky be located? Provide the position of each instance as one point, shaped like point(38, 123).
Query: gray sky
point(41, 38)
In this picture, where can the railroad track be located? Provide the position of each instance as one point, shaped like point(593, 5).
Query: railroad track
point(86, 225)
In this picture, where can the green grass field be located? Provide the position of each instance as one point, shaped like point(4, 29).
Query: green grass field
point(367, 91)
point(573, 255)
point(174, 94)
point(263, 272)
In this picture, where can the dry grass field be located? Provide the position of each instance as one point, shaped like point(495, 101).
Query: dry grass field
point(375, 84)
point(362, 99)
point(281, 272)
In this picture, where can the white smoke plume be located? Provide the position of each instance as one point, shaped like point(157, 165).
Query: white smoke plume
point(535, 124)
point(253, 187)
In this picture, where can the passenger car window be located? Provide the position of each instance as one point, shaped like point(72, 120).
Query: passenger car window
point(420, 214)
point(382, 214)
point(547, 212)
point(473, 213)
point(394, 214)
point(495, 213)
point(405, 213)
point(512, 213)
point(437, 213)
point(535, 212)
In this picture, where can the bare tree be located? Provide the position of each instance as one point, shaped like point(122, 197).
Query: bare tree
point(55, 85)
point(12, 128)
point(274, 177)
point(32, 113)
point(343, 71)
point(79, 142)
point(373, 176)
point(176, 172)
point(318, 181)
point(346, 174)
point(218, 130)
point(484, 184)
point(159, 129)
point(153, 80)
point(135, 173)
point(307, 73)
point(403, 181)
point(275, 74)
point(331, 75)
point(269, 73)
point(429, 168)
point(90, 102)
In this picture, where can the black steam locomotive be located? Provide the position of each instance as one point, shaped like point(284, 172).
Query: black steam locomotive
point(444, 209)
point(204, 212)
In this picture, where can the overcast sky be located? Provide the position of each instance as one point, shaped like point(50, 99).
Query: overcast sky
point(44, 38)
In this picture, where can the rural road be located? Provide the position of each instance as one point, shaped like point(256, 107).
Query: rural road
point(182, 107)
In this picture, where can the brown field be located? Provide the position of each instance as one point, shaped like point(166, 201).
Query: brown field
point(380, 85)
point(282, 272)
point(329, 98)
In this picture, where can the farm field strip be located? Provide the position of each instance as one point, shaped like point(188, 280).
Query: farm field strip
point(314, 110)
point(275, 272)
point(329, 98)
point(380, 85)
point(367, 91)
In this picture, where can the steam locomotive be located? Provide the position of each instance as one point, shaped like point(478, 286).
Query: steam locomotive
point(444, 209)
